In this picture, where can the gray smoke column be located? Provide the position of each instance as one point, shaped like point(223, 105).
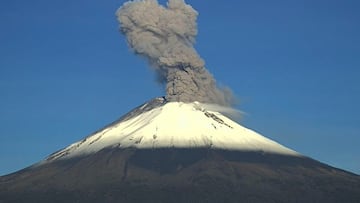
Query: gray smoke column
point(165, 36)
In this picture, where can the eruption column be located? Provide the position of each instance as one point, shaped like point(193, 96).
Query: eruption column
point(165, 37)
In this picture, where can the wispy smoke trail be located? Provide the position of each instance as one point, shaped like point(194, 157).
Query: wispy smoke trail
point(165, 36)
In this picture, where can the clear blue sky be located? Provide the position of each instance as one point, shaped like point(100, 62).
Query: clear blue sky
point(66, 71)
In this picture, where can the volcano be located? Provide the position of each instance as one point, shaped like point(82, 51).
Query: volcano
point(178, 152)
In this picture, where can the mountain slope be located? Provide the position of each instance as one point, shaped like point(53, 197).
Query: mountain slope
point(181, 175)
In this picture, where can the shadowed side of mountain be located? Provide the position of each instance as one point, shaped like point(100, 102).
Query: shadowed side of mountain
point(181, 175)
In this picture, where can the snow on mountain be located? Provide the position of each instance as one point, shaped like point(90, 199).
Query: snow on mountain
point(161, 124)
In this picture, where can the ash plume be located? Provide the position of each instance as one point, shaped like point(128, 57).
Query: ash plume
point(165, 37)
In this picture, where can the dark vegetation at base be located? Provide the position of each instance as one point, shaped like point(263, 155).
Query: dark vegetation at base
point(181, 175)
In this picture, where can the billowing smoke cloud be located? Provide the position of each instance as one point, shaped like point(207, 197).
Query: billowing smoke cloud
point(165, 36)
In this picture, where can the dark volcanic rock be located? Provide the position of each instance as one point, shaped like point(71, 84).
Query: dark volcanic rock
point(181, 175)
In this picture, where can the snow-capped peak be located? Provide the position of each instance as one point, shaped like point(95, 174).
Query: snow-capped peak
point(161, 124)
